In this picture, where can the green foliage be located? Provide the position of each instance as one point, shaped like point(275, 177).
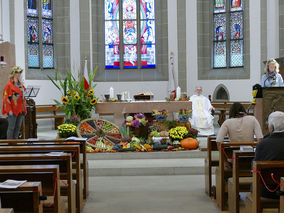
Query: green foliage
point(76, 102)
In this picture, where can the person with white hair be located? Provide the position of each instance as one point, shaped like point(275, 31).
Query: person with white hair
point(202, 120)
point(272, 77)
point(271, 148)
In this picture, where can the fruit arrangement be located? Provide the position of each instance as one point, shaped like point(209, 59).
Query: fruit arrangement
point(101, 135)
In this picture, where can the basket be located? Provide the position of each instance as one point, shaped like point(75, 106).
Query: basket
point(183, 118)
point(161, 118)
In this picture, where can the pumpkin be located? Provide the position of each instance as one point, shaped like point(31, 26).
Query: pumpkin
point(189, 143)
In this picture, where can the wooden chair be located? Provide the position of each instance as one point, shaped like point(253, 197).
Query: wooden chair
point(82, 143)
point(222, 173)
point(25, 198)
point(74, 149)
point(241, 179)
point(254, 201)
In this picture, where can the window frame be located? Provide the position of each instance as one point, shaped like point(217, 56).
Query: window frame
point(40, 43)
point(228, 13)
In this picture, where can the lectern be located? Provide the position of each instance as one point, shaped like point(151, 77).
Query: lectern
point(273, 100)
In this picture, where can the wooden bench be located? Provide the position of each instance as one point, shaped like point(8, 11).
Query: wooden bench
point(222, 108)
point(223, 173)
point(65, 167)
point(82, 143)
point(6, 210)
point(211, 162)
point(74, 149)
point(25, 198)
point(282, 195)
point(255, 203)
point(52, 109)
point(241, 179)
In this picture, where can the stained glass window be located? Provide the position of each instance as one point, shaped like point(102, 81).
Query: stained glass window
point(228, 44)
point(137, 35)
point(112, 53)
point(40, 34)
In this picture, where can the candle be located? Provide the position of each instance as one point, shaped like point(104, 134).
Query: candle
point(178, 93)
point(111, 93)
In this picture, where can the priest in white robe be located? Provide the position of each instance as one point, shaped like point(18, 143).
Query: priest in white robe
point(202, 120)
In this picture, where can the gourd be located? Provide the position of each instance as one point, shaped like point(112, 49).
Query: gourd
point(189, 143)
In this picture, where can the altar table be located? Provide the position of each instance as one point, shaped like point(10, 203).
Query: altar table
point(119, 109)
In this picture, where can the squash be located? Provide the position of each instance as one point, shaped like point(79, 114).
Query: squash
point(189, 143)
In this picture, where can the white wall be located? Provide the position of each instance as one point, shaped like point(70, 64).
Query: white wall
point(6, 20)
point(239, 90)
point(273, 28)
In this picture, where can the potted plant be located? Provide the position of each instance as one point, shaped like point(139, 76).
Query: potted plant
point(77, 101)
point(183, 115)
point(160, 116)
point(66, 130)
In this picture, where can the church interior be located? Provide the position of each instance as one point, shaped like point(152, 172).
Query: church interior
point(141, 106)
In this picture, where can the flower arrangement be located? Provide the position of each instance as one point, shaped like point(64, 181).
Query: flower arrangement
point(66, 130)
point(178, 132)
point(160, 116)
point(183, 115)
point(77, 102)
point(136, 121)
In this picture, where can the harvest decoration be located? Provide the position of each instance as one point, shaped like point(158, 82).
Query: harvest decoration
point(178, 133)
point(76, 101)
point(160, 116)
point(136, 121)
point(183, 115)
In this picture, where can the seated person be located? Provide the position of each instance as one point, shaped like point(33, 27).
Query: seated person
point(3, 128)
point(271, 148)
point(240, 126)
point(202, 120)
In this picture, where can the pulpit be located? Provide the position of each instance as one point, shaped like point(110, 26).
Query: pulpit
point(273, 100)
point(30, 121)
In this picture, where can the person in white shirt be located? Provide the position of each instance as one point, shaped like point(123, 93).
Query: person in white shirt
point(202, 120)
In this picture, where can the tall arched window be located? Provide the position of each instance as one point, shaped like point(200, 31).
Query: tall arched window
point(228, 36)
point(123, 19)
point(40, 34)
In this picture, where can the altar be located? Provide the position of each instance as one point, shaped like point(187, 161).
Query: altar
point(119, 109)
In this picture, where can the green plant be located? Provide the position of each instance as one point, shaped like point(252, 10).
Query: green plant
point(76, 101)
point(184, 112)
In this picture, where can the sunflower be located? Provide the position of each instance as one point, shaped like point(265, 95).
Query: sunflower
point(69, 92)
point(91, 92)
point(93, 101)
point(76, 97)
point(65, 100)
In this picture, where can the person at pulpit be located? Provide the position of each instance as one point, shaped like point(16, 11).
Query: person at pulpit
point(202, 120)
point(13, 103)
point(272, 77)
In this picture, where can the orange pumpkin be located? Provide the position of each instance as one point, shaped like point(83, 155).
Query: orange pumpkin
point(189, 143)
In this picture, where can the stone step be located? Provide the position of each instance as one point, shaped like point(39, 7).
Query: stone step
point(146, 155)
point(146, 167)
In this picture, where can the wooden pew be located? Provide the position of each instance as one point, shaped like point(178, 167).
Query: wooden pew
point(241, 179)
point(52, 109)
point(222, 173)
point(254, 202)
point(282, 195)
point(84, 164)
point(74, 149)
point(222, 108)
point(25, 198)
point(64, 162)
point(209, 163)
point(6, 211)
